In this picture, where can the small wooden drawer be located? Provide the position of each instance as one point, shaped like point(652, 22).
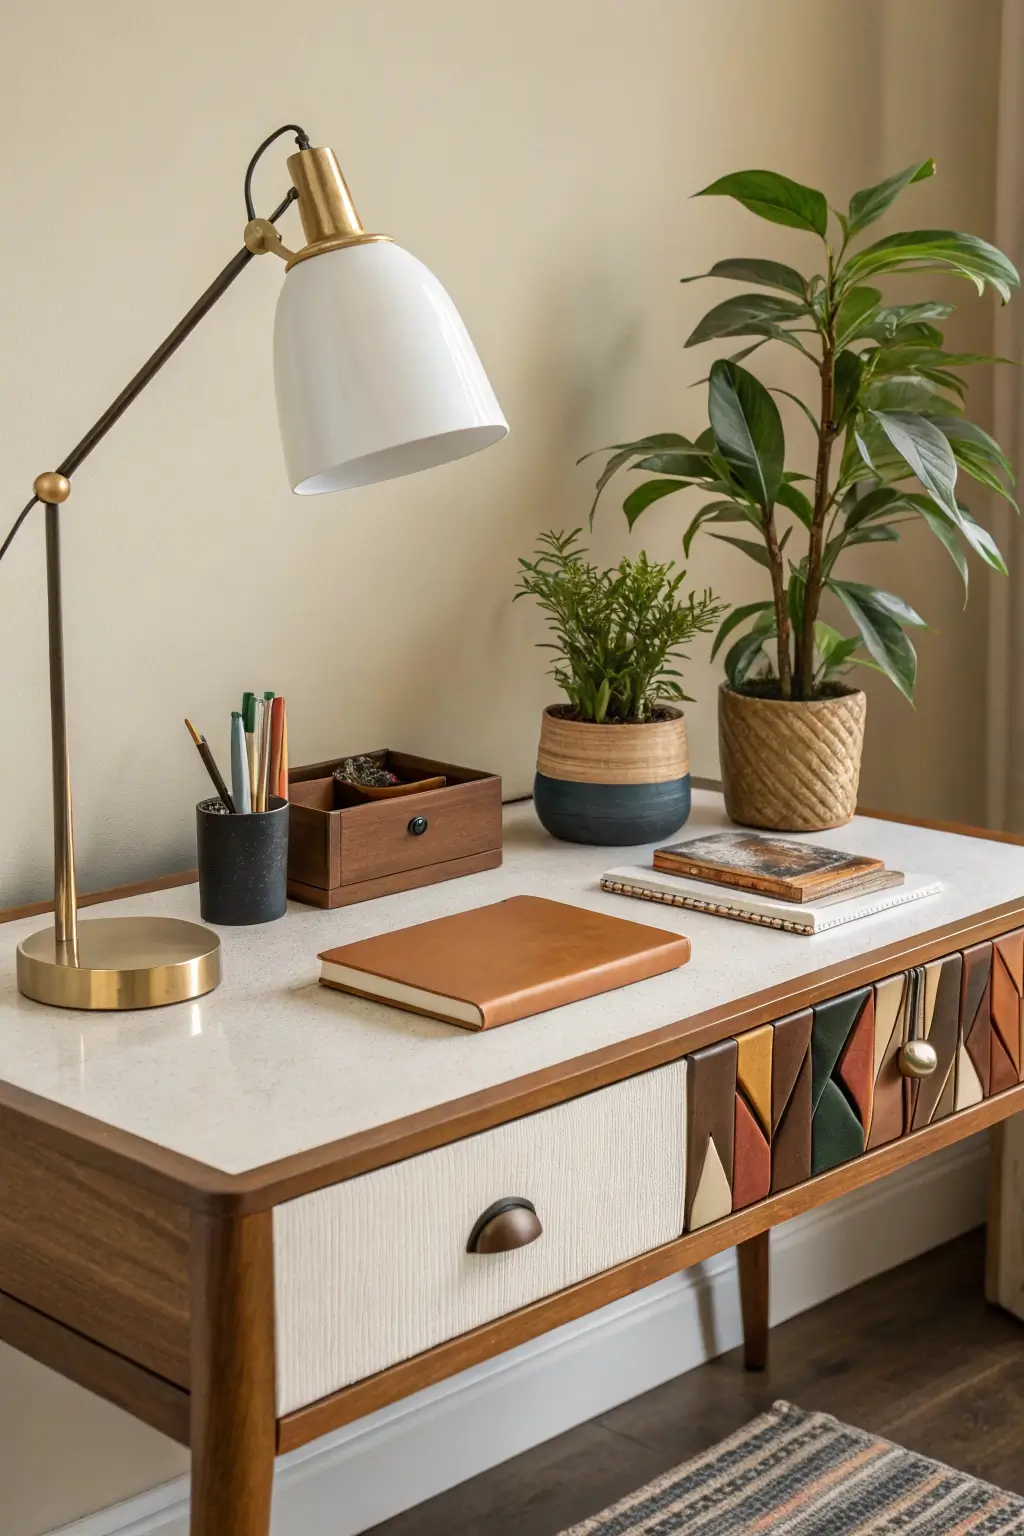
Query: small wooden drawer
point(342, 849)
point(376, 1270)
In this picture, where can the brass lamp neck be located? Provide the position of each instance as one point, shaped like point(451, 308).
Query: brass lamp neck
point(328, 214)
point(325, 203)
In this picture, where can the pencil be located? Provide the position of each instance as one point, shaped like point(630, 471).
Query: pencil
point(284, 751)
point(276, 742)
point(265, 752)
point(211, 766)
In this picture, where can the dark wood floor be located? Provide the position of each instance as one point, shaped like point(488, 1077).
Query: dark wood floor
point(914, 1355)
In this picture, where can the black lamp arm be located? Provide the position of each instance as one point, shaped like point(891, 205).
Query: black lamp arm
point(173, 341)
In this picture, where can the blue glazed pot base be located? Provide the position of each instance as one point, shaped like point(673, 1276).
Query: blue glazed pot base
point(611, 815)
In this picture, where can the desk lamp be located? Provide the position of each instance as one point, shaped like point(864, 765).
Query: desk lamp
point(376, 377)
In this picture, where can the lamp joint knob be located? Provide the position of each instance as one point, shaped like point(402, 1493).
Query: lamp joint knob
point(52, 487)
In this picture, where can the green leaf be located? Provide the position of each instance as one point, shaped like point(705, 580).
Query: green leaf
point(796, 593)
point(714, 512)
point(899, 319)
point(871, 203)
point(935, 250)
point(733, 620)
point(859, 307)
point(848, 374)
point(959, 430)
point(623, 452)
point(777, 389)
point(744, 315)
point(757, 552)
point(795, 501)
point(981, 541)
point(945, 532)
point(751, 269)
point(652, 490)
point(927, 452)
point(690, 465)
point(774, 197)
point(741, 657)
point(604, 694)
point(881, 632)
point(879, 502)
point(748, 430)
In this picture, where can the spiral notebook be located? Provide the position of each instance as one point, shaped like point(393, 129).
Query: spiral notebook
point(808, 918)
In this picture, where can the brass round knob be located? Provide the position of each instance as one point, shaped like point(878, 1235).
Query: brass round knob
point(507, 1224)
point(918, 1058)
point(52, 487)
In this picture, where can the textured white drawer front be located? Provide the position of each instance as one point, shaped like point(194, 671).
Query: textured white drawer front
point(375, 1270)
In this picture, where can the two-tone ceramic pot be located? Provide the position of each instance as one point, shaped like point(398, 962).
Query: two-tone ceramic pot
point(612, 784)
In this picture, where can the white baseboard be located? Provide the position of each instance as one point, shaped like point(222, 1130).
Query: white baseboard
point(368, 1471)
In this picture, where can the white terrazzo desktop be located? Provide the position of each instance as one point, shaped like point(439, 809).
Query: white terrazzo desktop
point(271, 1063)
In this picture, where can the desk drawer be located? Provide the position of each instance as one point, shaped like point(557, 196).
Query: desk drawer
point(375, 1270)
point(790, 1100)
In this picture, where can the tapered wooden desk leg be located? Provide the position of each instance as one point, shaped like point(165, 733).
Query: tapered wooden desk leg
point(1004, 1270)
point(233, 1392)
point(753, 1258)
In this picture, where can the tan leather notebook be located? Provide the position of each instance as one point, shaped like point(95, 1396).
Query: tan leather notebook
point(498, 963)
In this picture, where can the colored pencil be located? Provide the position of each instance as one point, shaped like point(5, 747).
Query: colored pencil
point(276, 743)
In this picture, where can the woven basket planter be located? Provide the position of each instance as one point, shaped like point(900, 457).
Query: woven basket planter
point(787, 766)
point(618, 785)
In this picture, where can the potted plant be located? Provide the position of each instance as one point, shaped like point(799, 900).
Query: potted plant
point(889, 436)
point(613, 765)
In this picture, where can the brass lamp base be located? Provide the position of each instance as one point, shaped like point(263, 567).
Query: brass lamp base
point(123, 962)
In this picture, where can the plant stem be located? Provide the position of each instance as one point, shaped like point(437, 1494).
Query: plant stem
point(782, 627)
point(826, 438)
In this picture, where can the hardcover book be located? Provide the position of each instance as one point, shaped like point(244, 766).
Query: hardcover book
point(774, 866)
point(502, 962)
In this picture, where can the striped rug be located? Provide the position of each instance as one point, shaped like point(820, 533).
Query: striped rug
point(791, 1473)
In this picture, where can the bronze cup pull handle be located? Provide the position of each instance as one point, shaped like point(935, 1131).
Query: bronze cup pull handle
point(917, 1058)
point(507, 1224)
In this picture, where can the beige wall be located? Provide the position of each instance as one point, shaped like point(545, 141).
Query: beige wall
point(539, 157)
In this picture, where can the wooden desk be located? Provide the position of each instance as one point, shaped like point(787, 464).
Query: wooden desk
point(245, 1219)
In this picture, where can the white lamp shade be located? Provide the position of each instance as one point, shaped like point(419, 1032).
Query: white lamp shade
point(376, 375)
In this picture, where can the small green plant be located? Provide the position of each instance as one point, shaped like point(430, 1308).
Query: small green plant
point(889, 435)
point(617, 632)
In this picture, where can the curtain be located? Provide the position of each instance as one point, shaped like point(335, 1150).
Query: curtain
point(1005, 789)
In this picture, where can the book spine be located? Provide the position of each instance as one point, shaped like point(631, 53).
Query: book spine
point(697, 904)
point(757, 885)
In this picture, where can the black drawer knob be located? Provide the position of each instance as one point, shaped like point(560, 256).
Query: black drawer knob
point(418, 826)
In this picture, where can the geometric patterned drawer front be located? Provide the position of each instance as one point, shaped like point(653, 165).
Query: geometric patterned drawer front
point(710, 1133)
point(1008, 1011)
point(888, 1110)
point(842, 1077)
point(792, 1099)
point(974, 1051)
point(934, 1015)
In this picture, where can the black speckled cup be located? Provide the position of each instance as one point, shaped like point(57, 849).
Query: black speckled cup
point(243, 864)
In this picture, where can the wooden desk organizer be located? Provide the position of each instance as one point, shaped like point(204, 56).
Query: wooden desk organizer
point(343, 848)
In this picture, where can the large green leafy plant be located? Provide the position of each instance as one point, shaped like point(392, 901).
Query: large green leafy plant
point(888, 423)
point(617, 633)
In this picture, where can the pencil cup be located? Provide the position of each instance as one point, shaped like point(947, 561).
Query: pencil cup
point(243, 863)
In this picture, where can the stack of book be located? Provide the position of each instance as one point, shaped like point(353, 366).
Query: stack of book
point(773, 881)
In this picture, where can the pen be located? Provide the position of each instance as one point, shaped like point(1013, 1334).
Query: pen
point(211, 766)
point(239, 765)
point(249, 725)
point(264, 785)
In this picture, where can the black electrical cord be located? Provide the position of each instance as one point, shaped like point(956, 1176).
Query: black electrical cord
point(301, 139)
